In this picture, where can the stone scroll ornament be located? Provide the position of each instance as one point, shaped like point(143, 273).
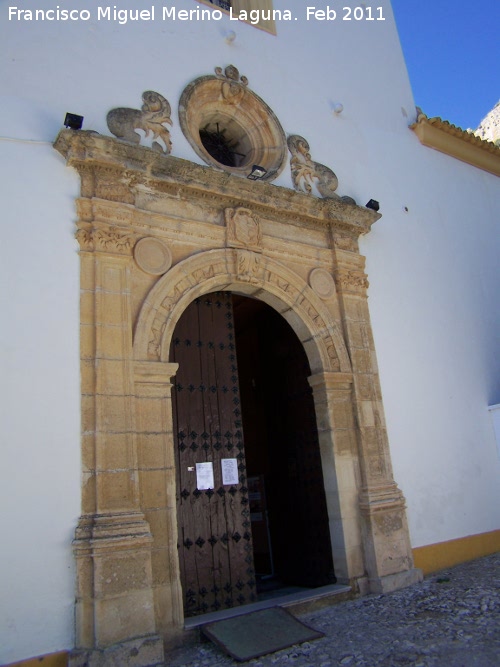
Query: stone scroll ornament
point(307, 174)
point(233, 86)
point(151, 118)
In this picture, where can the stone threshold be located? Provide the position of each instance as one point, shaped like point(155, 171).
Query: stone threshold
point(300, 602)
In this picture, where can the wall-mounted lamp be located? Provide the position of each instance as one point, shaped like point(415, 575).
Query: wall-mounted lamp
point(230, 36)
point(73, 121)
point(373, 204)
point(338, 108)
point(257, 173)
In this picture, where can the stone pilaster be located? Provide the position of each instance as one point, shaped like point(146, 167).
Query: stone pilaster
point(386, 542)
point(332, 394)
point(156, 464)
point(113, 540)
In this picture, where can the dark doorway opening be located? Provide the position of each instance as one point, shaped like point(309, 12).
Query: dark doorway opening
point(291, 538)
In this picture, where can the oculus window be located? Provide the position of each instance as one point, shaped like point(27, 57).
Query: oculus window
point(230, 127)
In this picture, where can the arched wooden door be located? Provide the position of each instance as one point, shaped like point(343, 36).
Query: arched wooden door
point(216, 513)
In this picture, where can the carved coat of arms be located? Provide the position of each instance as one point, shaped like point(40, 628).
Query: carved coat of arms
point(243, 229)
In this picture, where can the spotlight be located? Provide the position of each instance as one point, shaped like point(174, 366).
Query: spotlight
point(73, 121)
point(230, 37)
point(373, 204)
point(338, 107)
point(257, 173)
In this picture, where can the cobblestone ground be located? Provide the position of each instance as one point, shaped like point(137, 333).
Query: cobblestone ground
point(452, 619)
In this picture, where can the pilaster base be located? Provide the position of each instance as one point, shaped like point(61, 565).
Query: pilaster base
point(114, 600)
point(393, 582)
point(388, 554)
point(142, 652)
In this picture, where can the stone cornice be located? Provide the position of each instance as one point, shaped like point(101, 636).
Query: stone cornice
point(132, 165)
point(462, 145)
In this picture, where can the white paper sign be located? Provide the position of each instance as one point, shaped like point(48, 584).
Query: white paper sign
point(205, 475)
point(229, 471)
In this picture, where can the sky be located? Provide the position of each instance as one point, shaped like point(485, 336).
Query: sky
point(452, 52)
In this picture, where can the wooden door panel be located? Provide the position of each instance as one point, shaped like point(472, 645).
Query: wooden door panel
point(215, 544)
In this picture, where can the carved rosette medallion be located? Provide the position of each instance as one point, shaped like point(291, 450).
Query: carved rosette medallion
point(152, 256)
point(243, 229)
point(322, 283)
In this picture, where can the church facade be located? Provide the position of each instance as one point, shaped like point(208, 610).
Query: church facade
point(252, 321)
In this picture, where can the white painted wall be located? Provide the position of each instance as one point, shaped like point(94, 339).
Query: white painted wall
point(434, 285)
point(495, 422)
point(432, 270)
point(40, 457)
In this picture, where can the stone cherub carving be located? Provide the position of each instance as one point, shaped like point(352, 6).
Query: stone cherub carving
point(155, 112)
point(306, 173)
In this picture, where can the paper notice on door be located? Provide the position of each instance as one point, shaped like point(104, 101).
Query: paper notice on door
point(205, 475)
point(229, 471)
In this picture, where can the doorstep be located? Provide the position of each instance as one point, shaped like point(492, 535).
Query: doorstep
point(299, 602)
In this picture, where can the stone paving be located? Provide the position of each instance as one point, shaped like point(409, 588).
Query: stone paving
point(452, 619)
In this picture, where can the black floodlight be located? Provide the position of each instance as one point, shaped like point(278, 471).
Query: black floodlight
point(373, 204)
point(257, 173)
point(73, 121)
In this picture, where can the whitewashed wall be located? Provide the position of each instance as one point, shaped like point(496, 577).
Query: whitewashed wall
point(435, 308)
point(432, 270)
point(39, 451)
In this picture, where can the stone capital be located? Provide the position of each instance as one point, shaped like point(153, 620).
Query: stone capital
point(154, 372)
point(381, 498)
point(352, 280)
point(104, 239)
point(331, 381)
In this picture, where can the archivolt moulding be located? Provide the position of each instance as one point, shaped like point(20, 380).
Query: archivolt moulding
point(245, 272)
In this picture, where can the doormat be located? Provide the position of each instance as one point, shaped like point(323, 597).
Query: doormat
point(260, 632)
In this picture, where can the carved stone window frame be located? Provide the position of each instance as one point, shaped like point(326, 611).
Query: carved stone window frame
point(225, 100)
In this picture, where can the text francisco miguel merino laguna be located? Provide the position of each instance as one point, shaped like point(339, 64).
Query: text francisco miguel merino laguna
point(122, 16)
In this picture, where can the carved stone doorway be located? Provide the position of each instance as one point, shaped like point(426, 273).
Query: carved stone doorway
point(155, 234)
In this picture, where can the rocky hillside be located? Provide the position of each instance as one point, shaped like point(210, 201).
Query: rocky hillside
point(489, 128)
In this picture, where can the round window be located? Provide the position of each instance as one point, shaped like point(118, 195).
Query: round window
point(231, 127)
